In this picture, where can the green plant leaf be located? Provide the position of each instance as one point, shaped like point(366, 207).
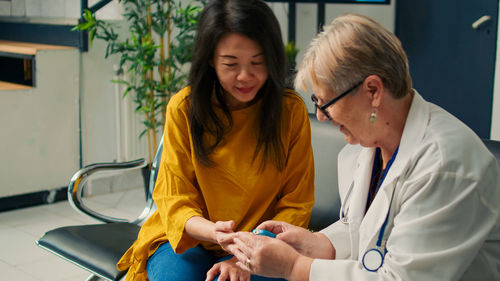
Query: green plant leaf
point(138, 49)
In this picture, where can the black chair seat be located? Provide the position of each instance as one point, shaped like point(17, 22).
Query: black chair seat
point(95, 247)
point(494, 147)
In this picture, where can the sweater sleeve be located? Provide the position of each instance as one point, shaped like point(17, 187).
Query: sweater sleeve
point(297, 197)
point(176, 193)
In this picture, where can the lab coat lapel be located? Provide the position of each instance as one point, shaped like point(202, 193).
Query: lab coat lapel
point(413, 132)
point(415, 126)
point(357, 206)
point(362, 177)
point(375, 217)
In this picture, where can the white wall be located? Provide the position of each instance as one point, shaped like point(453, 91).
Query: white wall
point(495, 118)
point(101, 101)
point(39, 144)
point(97, 105)
point(96, 92)
point(42, 150)
point(43, 10)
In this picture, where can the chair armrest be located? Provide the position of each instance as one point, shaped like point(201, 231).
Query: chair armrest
point(77, 182)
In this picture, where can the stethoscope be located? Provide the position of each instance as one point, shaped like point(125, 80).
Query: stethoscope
point(373, 258)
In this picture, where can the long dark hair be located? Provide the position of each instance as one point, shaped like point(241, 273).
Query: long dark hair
point(255, 20)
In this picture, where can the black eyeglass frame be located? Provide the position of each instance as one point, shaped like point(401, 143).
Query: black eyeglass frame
point(323, 108)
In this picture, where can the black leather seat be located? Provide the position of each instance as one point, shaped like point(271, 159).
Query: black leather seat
point(494, 147)
point(98, 247)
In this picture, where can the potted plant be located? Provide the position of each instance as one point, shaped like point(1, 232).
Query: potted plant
point(291, 52)
point(153, 55)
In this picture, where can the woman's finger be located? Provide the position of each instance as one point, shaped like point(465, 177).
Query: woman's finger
point(233, 275)
point(244, 276)
point(239, 254)
point(224, 226)
point(226, 237)
point(223, 276)
point(212, 273)
point(231, 248)
point(243, 247)
point(275, 227)
point(246, 237)
point(243, 266)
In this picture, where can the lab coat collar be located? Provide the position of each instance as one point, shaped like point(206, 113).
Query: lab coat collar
point(361, 184)
point(357, 205)
point(413, 132)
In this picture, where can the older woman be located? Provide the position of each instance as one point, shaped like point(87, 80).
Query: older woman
point(419, 190)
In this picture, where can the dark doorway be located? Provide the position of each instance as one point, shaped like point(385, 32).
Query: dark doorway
point(451, 62)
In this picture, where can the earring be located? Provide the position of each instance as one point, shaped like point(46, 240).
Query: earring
point(373, 117)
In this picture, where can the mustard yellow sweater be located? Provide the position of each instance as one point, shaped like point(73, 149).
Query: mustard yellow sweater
point(233, 189)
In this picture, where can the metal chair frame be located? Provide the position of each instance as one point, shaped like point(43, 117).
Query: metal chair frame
point(51, 241)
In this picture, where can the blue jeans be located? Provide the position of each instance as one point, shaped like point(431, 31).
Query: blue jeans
point(192, 265)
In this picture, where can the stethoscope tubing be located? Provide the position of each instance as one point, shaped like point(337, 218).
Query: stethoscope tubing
point(379, 251)
point(343, 216)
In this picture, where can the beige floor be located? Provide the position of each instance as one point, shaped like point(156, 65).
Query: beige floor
point(22, 260)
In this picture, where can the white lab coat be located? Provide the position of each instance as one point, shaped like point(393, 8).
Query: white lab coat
point(444, 218)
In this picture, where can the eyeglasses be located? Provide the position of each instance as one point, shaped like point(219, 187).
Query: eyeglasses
point(336, 99)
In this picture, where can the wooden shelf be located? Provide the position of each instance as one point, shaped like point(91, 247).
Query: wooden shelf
point(27, 48)
point(18, 63)
point(12, 86)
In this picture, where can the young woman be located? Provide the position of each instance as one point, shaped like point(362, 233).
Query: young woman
point(237, 151)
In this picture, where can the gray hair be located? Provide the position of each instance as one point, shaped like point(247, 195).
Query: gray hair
point(351, 48)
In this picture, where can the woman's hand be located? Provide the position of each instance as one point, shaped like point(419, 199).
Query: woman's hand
point(228, 270)
point(315, 245)
point(270, 257)
point(220, 232)
point(224, 234)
